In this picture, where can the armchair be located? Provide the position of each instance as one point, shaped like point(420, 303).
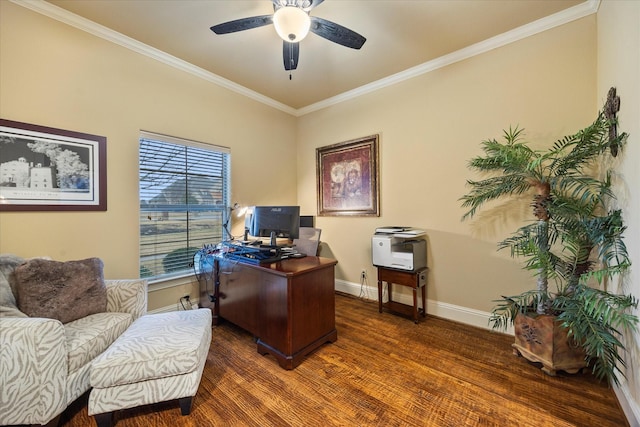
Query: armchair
point(44, 364)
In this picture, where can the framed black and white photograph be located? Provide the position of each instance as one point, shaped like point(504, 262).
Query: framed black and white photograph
point(48, 169)
point(347, 175)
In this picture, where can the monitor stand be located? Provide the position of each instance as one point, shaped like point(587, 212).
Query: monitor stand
point(273, 239)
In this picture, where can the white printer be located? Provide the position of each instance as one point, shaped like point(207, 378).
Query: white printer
point(403, 248)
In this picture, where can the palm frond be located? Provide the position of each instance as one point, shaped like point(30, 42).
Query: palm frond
point(607, 234)
point(574, 152)
point(582, 190)
point(505, 310)
point(492, 189)
point(509, 157)
point(594, 319)
point(602, 274)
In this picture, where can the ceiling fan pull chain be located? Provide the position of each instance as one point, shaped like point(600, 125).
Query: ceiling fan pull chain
point(290, 60)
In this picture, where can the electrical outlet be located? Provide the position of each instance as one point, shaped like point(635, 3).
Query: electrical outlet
point(363, 275)
point(185, 302)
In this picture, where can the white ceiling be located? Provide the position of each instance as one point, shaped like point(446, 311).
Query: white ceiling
point(401, 36)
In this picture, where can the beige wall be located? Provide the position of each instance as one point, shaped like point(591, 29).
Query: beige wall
point(54, 75)
point(430, 126)
point(619, 66)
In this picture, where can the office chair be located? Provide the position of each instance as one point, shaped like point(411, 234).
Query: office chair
point(308, 241)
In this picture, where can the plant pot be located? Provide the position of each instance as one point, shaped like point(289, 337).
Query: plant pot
point(541, 339)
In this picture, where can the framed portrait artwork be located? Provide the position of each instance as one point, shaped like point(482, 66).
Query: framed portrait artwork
point(48, 169)
point(347, 175)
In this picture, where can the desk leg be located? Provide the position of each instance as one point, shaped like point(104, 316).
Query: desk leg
point(424, 301)
point(380, 296)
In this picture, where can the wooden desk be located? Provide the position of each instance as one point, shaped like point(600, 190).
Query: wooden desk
point(289, 306)
point(413, 279)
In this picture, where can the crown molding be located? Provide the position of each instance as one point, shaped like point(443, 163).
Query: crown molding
point(64, 16)
point(568, 15)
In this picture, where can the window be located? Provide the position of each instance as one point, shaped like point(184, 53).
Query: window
point(184, 199)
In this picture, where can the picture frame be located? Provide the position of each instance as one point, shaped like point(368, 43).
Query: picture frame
point(348, 178)
point(49, 169)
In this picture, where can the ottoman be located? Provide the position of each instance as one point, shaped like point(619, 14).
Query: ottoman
point(160, 357)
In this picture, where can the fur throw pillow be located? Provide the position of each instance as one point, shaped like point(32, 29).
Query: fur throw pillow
point(65, 291)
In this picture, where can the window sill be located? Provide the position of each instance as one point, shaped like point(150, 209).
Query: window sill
point(170, 282)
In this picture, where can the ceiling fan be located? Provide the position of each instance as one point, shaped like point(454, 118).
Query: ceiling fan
point(292, 22)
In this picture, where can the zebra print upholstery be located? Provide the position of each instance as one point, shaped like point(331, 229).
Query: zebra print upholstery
point(45, 365)
point(160, 357)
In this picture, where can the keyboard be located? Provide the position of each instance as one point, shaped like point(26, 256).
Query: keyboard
point(262, 254)
point(251, 258)
point(254, 255)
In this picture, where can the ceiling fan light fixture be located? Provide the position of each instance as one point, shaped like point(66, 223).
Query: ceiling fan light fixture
point(292, 23)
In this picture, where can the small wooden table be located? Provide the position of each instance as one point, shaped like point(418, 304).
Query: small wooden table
point(413, 279)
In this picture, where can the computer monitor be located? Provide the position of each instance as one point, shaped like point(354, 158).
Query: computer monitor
point(273, 222)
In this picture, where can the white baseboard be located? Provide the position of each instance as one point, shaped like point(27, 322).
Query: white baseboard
point(168, 308)
point(628, 404)
point(440, 309)
point(453, 312)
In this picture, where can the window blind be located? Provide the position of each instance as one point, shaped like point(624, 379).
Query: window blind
point(184, 199)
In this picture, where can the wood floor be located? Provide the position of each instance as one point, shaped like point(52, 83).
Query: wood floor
point(384, 370)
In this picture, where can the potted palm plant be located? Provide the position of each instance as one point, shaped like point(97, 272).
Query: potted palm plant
point(575, 241)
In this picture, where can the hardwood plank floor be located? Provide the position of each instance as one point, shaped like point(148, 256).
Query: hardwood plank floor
point(384, 370)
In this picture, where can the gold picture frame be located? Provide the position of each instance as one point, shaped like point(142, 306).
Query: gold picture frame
point(348, 178)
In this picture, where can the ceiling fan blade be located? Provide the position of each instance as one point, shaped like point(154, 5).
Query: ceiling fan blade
point(290, 54)
point(336, 33)
point(242, 24)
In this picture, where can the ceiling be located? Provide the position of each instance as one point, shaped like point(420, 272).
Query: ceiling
point(400, 35)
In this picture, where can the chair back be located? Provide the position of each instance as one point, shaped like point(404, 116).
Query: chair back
point(308, 241)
